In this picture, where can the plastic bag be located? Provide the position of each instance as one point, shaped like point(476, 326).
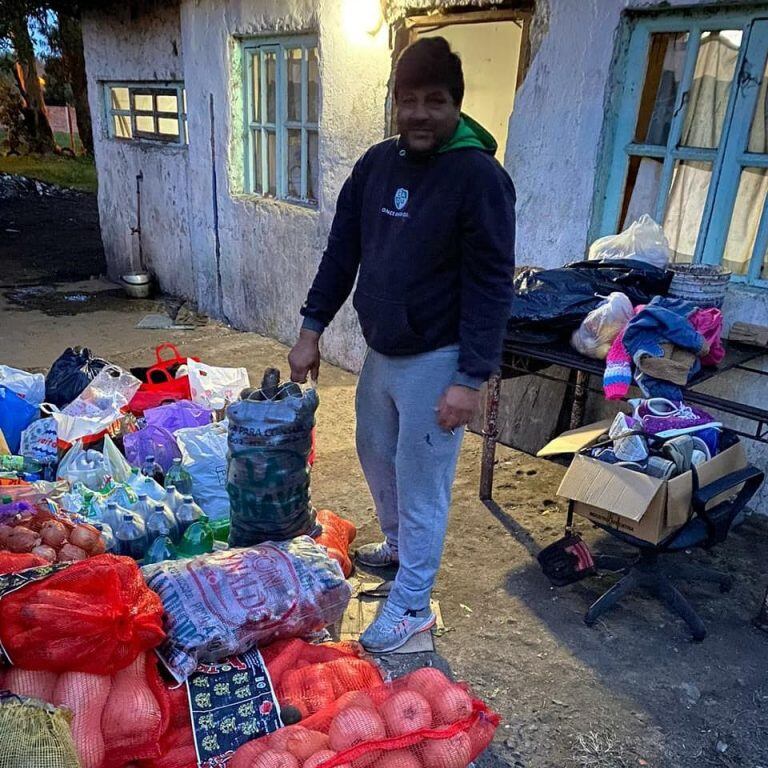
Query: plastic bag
point(601, 326)
point(70, 374)
point(151, 441)
point(183, 414)
point(214, 387)
point(35, 734)
point(225, 603)
point(551, 303)
point(96, 615)
point(268, 477)
point(116, 464)
point(16, 414)
point(643, 240)
point(39, 441)
point(28, 386)
point(162, 382)
point(111, 390)
point(86, 467)
point(422, 719)
point(204, 456)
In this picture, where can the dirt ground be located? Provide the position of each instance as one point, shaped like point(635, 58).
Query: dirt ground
point(632, 691)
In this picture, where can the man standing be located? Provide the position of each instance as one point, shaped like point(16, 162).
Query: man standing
point(426, 224)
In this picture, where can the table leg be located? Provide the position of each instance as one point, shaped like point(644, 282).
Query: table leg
point(579, 399)
point(490, 434)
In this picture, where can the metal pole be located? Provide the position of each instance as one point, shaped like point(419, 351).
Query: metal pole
point(579, 399)
point(490, 435)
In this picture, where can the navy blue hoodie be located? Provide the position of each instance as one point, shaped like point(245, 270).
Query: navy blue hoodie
point(431, 242)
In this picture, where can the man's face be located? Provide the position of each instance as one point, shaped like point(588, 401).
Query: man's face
point(426, 117)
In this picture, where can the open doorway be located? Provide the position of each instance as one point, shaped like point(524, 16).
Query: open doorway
point(493, 46)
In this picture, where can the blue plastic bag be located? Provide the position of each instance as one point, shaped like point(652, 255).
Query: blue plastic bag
point(16, 415)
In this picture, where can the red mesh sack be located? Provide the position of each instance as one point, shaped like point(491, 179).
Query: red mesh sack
point(94, 616)
point(177, 744)
point(422, 720)
point(12, 562)
point(337, 535)
point(24, 682)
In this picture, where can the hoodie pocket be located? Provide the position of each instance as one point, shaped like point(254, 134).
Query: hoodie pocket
point(386, 326)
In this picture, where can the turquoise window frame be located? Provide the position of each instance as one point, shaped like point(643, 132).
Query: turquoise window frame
point(149, 87)
point(727, 160)
point(256, 132)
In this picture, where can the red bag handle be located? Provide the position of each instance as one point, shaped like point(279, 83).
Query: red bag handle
point(165, 375)
point(164, 361)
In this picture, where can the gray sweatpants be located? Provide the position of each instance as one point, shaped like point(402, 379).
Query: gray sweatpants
point(409, 461)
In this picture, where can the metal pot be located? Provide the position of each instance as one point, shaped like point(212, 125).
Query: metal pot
point(137, 285)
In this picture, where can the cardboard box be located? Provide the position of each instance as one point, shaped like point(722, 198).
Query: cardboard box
point(645, 507)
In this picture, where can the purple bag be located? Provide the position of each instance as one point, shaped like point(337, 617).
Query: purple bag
point(179, 415)
point(151, 441)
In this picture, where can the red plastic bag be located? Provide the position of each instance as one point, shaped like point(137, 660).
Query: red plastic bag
point(161, 386)
point(337, 535)
point(422, 720)
point(96, 615)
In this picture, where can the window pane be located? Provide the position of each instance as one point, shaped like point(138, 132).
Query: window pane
point(145, 123)
point(270, 61)
point(122, 126)
point(711, 87)
point(258, 188)
point(313, 177)
point(168, 126)
point(142, 102)
point(642, 189)
point(294, 163)
point(666, 59)
point(272, 164)
point(255, 95)
point(685, 206)
point(758, 137)
point(313, 86)
point(167, 103)
point(120, 98)
point(745, 220)
point(294, 83)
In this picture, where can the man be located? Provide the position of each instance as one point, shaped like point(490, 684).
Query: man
point(426, 224)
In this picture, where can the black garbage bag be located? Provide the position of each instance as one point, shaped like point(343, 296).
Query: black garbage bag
point(551, 303)
point(70, 374)
point(270, 439)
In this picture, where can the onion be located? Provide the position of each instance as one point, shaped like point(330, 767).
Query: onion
point(5, 532)
point(70, 552)
point(53, 533)
point(85, 536)
point(46, 552)
point(21, 539)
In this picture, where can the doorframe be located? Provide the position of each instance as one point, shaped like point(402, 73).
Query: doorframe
point(405, 31)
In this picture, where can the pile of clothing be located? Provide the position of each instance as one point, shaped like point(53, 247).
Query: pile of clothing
point(661, 438)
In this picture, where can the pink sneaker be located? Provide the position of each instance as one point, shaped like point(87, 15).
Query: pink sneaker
point(665, 418)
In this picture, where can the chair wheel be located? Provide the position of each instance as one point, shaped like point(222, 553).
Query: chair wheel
point(726, 585)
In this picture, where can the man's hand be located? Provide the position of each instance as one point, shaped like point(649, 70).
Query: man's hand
point(457, 407)
point(304, 358)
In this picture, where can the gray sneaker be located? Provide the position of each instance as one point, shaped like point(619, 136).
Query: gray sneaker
point(394, 627)
point(379, 555)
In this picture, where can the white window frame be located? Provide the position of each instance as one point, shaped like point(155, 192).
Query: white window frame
point(256, 132)
point(154, 89)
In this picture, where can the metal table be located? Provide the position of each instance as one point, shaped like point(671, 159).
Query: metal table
point(525, 359)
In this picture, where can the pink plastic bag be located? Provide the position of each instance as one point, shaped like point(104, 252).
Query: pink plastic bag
point(151, 441)
point(179, 415)
point(709, 323)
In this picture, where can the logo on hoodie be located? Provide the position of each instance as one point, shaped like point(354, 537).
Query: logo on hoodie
point(401, 198)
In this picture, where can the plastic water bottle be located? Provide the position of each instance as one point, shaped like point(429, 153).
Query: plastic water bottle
point(162, 548)
point(162, 523)
point(135, 480)
point(152, 469)
point(197, 539)
point(188, 513)
point(152, 488)
point(144, 507)
point(131, 536)
point(106, 533)
point(173, 499)
point(113, 515)
point(179, 477)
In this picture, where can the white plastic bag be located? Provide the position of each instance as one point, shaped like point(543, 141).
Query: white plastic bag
point(214, 387)
point(28, 386)
point(204, 456)
point(601, 326)
point(81, 466)
point(117, 465)
point(643, 240)
point(39, 440)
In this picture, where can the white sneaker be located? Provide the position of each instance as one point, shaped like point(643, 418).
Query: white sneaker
point(379, 555)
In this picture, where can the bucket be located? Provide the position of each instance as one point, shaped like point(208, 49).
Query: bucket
point(137, 285)
point(703, 285)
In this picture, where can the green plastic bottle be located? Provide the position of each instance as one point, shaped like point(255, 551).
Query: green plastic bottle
point(197, 539)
